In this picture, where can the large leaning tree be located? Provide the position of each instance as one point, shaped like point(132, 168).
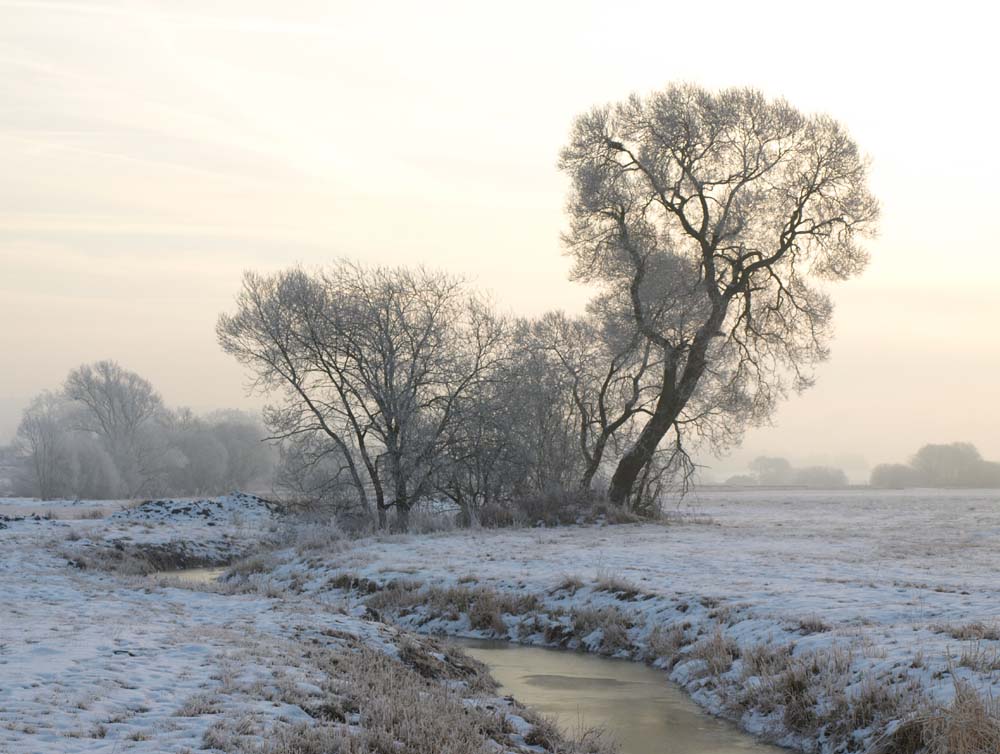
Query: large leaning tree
point(708, 218)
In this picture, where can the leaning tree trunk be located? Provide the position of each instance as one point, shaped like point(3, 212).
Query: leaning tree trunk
point(640, 454)
point(674, 395)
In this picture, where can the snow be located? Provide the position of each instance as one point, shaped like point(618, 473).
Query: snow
point(878, 574)
point(94, 662)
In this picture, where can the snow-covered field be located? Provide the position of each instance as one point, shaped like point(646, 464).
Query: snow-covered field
point(94, 661)
point(890, 590)
point(893, 590)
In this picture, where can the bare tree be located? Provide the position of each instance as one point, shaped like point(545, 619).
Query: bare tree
point(484, 462)
point(607, 376)
point(771, 470)
point(42, 444)
point(707, 217)
point(376, 359)
point(119, 406)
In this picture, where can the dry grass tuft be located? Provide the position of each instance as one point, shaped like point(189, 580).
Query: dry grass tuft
point(718, 651)
point(969, 725)
point(546, 734)
point(249, 566)
point(569, 584)
point(352, 582)
point(968, 631)
point(314, 536)
point(813, 625)
point(401, 711)
point(664, 643)
point(620, 587)
point(612, 623)
point(982, 659)
point(485, 607)
point(199, 704)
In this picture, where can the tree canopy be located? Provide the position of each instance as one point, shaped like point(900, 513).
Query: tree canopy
point(708, 219)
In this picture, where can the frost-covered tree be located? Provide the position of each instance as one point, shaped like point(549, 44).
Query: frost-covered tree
point(375, 360)
point(606, 374)
point(820, 477)
point(894, 475)
point(58, 460)
point(108, 435)
point(121, 408)
point(708, 218)
point(771, 470)
point(217, 453)
point(43, 447)
point(956, 464)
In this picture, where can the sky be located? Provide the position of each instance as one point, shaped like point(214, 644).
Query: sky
point(150, 152)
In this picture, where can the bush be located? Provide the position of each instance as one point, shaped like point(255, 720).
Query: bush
point(822, 477)
point(894, 476)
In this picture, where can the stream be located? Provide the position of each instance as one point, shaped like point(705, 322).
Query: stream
point(636, 703)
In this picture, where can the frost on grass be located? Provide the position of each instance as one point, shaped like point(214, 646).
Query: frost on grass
point(812, 618)
point(102, 658)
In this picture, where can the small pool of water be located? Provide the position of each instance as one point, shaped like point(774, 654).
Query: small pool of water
point(646, 714)
point(195, 575)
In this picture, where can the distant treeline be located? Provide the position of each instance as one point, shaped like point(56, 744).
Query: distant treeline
point(773, 471)
point(957, 464)
point(106, 434)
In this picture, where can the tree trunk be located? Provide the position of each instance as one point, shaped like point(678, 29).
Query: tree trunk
point(640, 454)
point(593, 462)
point(674, 395)
point(402, 516)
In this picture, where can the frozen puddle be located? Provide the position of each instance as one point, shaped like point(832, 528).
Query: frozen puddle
point(636, 703)
point(195, 575)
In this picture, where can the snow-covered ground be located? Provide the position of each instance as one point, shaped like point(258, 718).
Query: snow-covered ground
point(899, 587)
point(896, 590)
point(94, 661)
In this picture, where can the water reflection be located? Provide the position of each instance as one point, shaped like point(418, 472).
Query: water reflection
point(195, 575)
point(645, 712)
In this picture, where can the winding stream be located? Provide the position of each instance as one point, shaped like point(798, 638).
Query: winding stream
point(646, 714)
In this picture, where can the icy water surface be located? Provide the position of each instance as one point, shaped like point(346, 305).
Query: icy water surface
point(196, 575)
point(636, 703)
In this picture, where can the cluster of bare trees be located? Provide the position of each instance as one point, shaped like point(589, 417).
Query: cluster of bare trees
point(779, 472)
point(402, 385)
point(107, 434)
point(944, 465)
point(703, 220)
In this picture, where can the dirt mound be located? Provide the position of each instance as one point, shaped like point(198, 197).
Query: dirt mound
point(235, 507)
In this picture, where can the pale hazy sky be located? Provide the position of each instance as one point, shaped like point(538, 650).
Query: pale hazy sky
point(151, 151)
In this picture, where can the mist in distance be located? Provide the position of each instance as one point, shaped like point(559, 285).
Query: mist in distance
point(234, 141)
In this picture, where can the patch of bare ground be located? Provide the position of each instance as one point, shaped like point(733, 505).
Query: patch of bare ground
point(137, 559)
